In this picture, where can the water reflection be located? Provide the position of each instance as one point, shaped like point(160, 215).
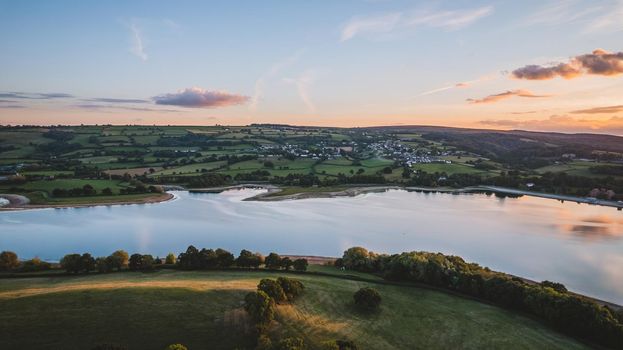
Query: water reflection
point(532, 237)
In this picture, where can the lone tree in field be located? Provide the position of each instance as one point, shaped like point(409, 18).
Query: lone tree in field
point(367, 298)
point(260, 307)
point(8, 261)
point(273, 289)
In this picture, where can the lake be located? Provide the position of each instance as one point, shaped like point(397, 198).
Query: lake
point(576, 244)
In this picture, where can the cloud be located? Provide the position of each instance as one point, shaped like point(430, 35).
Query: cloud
point(599, 62)
point(35, 95)
point(388, 22)
point(260, 83)
point(303, 83)
point(560, 12)
point(138, 109)
point(565, 123)
point(505, 95)
point(12, 106)
point(377, 24)
point(200, 98)
point(599, 110)
point(450, 19)
point(117, 100)
point(137, 48)
point(460, 85)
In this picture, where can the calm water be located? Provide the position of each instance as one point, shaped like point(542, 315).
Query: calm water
point(578, 245)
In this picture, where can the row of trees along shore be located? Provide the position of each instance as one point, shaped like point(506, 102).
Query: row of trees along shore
point(569, 313)
point(551, 302)
point(191, 259)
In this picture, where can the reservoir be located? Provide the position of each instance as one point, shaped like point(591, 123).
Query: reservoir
point(578, 245)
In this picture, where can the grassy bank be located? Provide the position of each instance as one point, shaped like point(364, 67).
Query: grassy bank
point(203, 310)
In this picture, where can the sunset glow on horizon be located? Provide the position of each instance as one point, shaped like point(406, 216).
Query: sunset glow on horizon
point(536, 65)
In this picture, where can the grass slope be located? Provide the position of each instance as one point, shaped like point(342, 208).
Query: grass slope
point(203, 310)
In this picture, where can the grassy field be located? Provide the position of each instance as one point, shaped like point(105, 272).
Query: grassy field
point(449, 169)
point(203, 310)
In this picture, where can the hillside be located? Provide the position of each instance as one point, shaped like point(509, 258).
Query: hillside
point(203, 310)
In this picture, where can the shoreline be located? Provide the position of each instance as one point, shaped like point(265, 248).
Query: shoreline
point(26, 206)
point(273, 193)
point(19, 202)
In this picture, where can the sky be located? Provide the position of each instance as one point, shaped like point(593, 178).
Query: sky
point(553, 65)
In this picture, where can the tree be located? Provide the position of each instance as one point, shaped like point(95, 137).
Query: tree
point(300, 264)
point(102, 265)
point(8, 260)
point(291, 287)
point(107, 191)
point(87, 263)
point(358, 258)
point(141, 262)
point(367, 298)
point(248, 259)
point(273, 289)
point(224, 258)
point(35, 264)
point(170, 259)
point(286, 263)
point(71, 263)
point(260, 307)
point(273, 261)
point(121, 259)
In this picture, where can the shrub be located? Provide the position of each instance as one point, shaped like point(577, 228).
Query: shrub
point(291, 344)
point(367, 298)
point(339, 345)
point(260, 307)
point(176, 347)
point(35, 264)
point(273, 289)
point(293, 288)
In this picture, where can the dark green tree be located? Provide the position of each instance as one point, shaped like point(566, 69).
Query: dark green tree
point(273, 289)
point(273, 261)
point(300, 264)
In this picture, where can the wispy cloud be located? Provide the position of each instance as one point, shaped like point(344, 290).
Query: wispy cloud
point(505, 95)
point(388, 22)
point(35, 95)
point(260, 83)
point(12, 106)
point(600, 110)
point(599, 62)
point(303, 82)
point(117, 100)
point(125, 108)
point(376, 24)
point(560, 12)
point(200, 98)
point(137, 48)
point(460, 85)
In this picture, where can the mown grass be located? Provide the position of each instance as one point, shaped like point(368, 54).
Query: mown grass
point(149, 311)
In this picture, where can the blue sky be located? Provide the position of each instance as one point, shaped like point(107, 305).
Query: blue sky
point(312, 62)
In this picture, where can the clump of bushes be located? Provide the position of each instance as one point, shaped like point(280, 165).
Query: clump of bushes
point(367, 298)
